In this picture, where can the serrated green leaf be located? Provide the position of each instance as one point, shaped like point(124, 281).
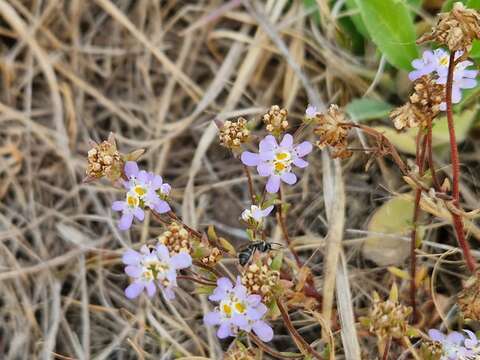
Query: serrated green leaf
point(367, 109)
point(390, 26)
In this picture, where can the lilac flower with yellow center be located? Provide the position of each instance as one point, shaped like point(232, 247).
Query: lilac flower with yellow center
point(152, 267)
point(455, 346)
point(237, 311)
point(144, 189)
point(275, 160)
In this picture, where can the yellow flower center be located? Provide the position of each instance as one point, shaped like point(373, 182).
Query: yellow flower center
point(240, 307)
point(227, 309)
point(444, 60)
point(132, 200)
point(282, 161)
point(140, 190)
point(279, 166)
point(282, 156)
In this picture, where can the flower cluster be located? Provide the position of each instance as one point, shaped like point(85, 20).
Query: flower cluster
point(104, 160)
point(176, 238)
point(237, 310)
point(454, 346)
point(275, 160)
point(436, 63)
point(152, 267)
point(456, 29)
point(262, 280)
point(144, 189)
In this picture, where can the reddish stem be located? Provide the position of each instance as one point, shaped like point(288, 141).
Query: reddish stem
point(457, 220)
point(387, 348)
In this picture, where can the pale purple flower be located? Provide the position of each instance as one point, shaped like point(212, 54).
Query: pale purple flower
point(152, 267)
point(436, 62)
point(237, 310)
point(256, 213)
point(144, 189)
point(455, 346)
point(463, 78)
point(311, 111)
point(276, 160)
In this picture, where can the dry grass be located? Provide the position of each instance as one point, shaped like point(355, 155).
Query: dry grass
point(156, 74)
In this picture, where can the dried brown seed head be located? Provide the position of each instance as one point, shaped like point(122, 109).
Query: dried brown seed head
point(469, 298)
point(260, 279)
point(332, 132)
point(455, 29)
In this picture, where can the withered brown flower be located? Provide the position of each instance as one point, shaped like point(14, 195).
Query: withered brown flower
point(332, 132)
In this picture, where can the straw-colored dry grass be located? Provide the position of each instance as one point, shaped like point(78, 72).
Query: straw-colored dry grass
point(156, 73)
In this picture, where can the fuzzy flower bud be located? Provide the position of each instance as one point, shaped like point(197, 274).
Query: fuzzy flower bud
point(276, 120)
point(456, 29)
point(233, 134)
point(176, 238)
point(332, 133)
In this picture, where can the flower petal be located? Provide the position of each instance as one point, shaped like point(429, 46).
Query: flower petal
point(162, 252)
point(263, 330)
point(303, 148)
point(118, 205)
point(133, 290)
point(224, 330)
point(300, 163)
point(181, 260)
point(151, 289)
point(267, 211)
point(139, 213)
point(250, 159)
point(125, 221)
point(133, 271)
point(131, 257)
point(436, 335)
point(212, 318)
point(157, 182)
point(143, 177)
point(287, 141)
point(289, 178)
point(169, 293)
point(455, 338)
point(162, 207)
point(131, 169)
point(265, 169)
point(268, 143)
point(273, 184)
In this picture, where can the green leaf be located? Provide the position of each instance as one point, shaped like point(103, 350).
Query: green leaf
point(391, 28)
point(474, 4)
point(447, 5)
point(390, 221)
point(357, 18)
point(367, 109)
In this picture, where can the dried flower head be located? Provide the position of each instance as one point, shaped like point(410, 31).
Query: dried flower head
point(260, 279)
point(104, 160)
point(388, 317)
point(240, 352)
point(469, 298)
point(176, 238)
point(431, 350)
point(456, 29)
point(234, 133)
point(276, 120)
point(212, 258)
point(405, 116)
point(332, 132)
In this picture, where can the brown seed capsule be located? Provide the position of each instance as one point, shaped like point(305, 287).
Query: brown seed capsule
point(332, 132)
point(456, 29)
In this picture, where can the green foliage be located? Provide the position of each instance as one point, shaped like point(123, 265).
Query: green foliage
point(390, 26)
point(367, 109)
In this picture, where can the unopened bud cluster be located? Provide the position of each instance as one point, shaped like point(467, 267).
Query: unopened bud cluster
point(176, 238)
point(332, 132)
point(275, 120)
point(104, 160)
point(261, 280)
point(234, 133)
point(212, 258)
point(455, 29)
